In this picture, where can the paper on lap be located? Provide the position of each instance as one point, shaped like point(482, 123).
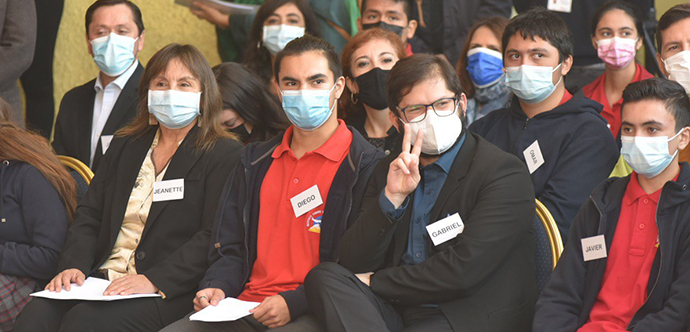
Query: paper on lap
point(91, 290)
point(227, 310)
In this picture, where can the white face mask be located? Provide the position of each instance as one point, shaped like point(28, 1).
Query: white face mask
point(532, 84)
point(647, 156)
point(678, 68)
point(275, 37)
point(440, 133)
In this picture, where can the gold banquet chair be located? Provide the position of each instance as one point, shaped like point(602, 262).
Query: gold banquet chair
point(549, 244)
point(81, 173)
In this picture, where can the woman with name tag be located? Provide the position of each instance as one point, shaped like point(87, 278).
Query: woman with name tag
point(37, 201)
point(145, 222)
point(367, 60)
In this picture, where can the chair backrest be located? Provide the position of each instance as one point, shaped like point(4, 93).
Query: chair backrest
point(549, 244)
point(81, 173)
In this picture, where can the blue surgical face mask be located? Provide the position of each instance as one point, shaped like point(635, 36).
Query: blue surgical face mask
point(114, 53)
point(532, 84)
point(308, 109)
point(275, 37)
point(174, 109)
point(485, 66)
point(647, 156)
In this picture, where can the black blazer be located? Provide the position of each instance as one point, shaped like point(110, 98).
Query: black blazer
point(74, 119)
point(484, 279)
point(173, 249)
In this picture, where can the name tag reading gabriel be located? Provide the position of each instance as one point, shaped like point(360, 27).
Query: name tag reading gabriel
point(306, 200)
point(169, 190)
point(445, 229)
point(593, 248)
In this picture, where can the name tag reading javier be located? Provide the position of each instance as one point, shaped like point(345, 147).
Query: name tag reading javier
point(169, 190)
point(593, 248)
point(445, 229)
point(306, 200)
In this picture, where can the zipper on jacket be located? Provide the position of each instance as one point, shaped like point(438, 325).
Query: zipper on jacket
point(245, 220)
point(526, 122)
point(661, 261)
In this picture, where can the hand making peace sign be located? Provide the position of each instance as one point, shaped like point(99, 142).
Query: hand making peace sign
point(403, 173)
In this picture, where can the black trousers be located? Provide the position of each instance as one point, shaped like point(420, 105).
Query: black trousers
point(126, 315)
point(341, 302)
point(37, 81)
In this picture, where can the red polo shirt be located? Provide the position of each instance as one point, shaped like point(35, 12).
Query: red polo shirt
point(408, 50)
point(612, 113)
point(629, 264)
point(566, 96)
point(288, 247)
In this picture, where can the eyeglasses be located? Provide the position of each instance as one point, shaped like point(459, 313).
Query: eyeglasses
point(417, 113)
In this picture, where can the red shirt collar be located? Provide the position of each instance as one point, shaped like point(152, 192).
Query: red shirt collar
point(334, 148)
point(635, 191)
point(566, 96)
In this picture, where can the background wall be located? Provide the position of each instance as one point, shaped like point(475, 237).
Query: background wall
point(165, 23)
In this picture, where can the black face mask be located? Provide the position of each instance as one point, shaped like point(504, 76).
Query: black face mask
point(372, 88)
point(241, 133)
point(398, 30)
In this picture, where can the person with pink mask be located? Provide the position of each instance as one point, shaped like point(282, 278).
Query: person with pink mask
point(616, 28)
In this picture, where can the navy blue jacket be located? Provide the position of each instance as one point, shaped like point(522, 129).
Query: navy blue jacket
point(234, 235)
point(34, 222)
point(569, 295)
point(579, 151)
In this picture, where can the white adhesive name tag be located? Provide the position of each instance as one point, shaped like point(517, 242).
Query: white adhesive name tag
point(169, 190)
point(533, 157)
point(306, 201)
point(445, 229)
point(563, 6)
point(593, 248)
point(105, 142)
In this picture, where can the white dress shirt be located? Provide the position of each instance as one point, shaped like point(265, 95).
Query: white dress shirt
point(103, 105)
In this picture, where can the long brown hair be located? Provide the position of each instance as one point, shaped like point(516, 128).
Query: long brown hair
point(33, 149)
point(211, 102)
point(347, 104)
point(497, 25)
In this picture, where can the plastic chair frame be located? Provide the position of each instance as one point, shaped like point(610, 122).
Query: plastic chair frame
point(75, 164)
point(555, 240)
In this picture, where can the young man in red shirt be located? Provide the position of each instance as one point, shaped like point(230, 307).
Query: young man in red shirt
point(626, 266)
point(290, 200)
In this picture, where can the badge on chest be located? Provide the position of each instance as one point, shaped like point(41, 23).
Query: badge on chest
point(306, 201)
point(169, 190)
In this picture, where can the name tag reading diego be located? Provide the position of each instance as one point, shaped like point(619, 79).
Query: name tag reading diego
point(306, 200)
point(593, 248)
point(445, 229)
point(169, 190)
point(533, 157)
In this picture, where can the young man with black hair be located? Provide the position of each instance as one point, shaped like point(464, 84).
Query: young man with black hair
point(562, 138)
point(626, 266)
point(445, 239)
point(391, 15)
point(289, 201)
point(673, 44)
point(90, 114)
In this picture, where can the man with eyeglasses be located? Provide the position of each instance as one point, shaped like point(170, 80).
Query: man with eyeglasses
point(561, 138)
point(444, 241)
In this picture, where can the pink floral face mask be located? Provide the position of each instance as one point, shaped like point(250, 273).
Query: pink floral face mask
point(616, 52)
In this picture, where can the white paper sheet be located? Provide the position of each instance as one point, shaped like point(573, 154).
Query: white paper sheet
point(223, 6)
point(91, 290)
point(227, 310)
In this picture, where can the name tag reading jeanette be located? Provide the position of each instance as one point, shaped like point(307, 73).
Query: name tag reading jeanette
point(593, 248)
point(169, 190)
point(445, 229)
point(306, 200)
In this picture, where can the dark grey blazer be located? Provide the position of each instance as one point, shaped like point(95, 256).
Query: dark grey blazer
point(73, 124)
point(17, 44)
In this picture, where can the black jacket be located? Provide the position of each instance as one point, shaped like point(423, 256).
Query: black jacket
point(75, 117)
point(234, 236)
point(484, 279)
point(579, 151)
point(569, 295)
point(34, 222)
point(457, 17)
point(174, 244)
